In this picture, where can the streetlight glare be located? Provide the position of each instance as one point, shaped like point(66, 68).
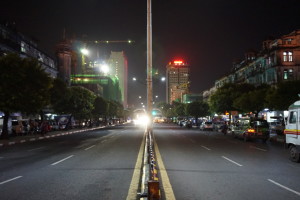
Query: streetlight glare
point(104, 68)
point(163, 78)
point(134, 79)
point(84, 51)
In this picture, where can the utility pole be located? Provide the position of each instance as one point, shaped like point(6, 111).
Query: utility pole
point(149, 61)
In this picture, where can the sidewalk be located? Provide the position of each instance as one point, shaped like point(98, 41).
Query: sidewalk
point(29, 138)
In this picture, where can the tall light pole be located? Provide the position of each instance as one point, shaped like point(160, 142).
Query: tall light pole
point(149, 59)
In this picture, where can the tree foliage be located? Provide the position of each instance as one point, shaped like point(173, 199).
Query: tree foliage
point(222, 100)
point(282, 96)
point(197, 109)
point(252, 101)
point(79, 102)
point(100, 107)
point(24, 86)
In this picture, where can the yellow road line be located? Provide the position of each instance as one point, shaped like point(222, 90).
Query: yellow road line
point(164, 176)
point(134, 185)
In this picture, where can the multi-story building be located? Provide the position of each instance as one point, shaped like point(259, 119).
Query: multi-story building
point(119, 69)
point(12, 41)
point(277, 61)
point(77, 67)
point(177, 80)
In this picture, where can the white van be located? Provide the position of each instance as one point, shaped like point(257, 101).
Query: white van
point(292, 132)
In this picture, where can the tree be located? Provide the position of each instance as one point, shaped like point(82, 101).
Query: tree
point(60, 95)
point(179, 109)
point(252, 101)
point(283, 95)
point(100, 107)
point(24, 87)
point(197, 109)
point(79, 102)
point(222, 100)
point(164, 107)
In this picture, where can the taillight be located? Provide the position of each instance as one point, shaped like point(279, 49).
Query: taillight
point(251, 130)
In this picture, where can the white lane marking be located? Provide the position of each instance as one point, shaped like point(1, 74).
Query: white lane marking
point(284, 187)
point(134, 185)
point(10, 180)
point(232, 161)
point(169, 193)
point(36, 149)
point(206, 148)
point(253, 147)
point(62, 160)
point(103, 141)
point(89, 147)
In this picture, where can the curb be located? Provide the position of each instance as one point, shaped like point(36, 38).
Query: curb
point(9, 143)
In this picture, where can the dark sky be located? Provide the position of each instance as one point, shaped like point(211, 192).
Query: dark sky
point(209, 35)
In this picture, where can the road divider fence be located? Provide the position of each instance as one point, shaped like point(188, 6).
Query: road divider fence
point(150, 188)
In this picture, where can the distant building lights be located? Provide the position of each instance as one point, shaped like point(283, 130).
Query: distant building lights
point(178, 62)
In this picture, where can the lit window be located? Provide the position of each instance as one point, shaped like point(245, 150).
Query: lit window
point(290, 59)
point(284, 56)
point(285, 74)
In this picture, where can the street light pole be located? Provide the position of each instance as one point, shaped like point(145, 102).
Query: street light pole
point(149, 60)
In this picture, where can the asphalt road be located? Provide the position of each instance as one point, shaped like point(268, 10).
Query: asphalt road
point(208, 165)
point(194, 165)
point(88, 165)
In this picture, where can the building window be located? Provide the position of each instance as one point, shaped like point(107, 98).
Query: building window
point(287, 56)
point(287, 74)
point(284, 56)
point(290, 58)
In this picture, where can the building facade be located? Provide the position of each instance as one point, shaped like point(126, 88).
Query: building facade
point(12, 41)
point(277, 61)
point(119, 69)
point(177, 80)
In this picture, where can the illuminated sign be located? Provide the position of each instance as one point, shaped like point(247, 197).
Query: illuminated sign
point(178, 62)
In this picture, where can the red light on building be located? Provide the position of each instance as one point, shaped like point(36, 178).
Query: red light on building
point(178, 62)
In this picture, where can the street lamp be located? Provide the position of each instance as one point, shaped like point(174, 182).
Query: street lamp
point(104, 68)
point(84, 51)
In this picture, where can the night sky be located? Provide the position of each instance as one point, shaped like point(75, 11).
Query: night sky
point(208, 35)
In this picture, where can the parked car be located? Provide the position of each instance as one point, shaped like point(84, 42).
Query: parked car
point(53, 125)
point(218, 125)
point(248, 128)
point(206, 126)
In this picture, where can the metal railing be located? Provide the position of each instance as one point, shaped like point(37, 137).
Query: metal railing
point(150, 180)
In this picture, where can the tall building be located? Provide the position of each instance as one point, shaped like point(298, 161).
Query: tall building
point(119, 69)
point(177, 80)
point(64, 59)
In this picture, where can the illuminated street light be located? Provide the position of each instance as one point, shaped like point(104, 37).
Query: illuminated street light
point(104, 68)
point(156, 96)
point(134, 79)
point(84, 51)
point(163, 79)
point(140, 97)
